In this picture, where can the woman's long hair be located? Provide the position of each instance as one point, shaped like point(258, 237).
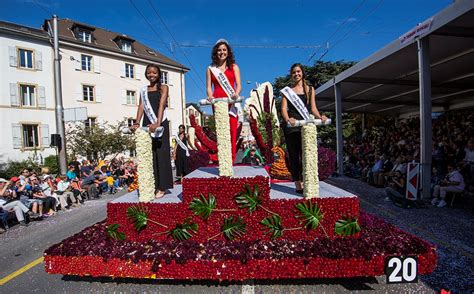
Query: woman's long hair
point(230, 55)
point(158, 82)
point(303, 78)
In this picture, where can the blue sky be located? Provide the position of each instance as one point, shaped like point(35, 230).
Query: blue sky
point(357, 28)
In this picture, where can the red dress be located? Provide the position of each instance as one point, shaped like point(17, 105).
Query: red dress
point(220, 93)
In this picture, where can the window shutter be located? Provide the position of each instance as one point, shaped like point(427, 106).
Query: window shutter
point(122, 74)
point(14, 99)
point(41, 97)
point(39, 60)
point(138, 74)
point(44, 129)
point(79, 94)
point(78, 62)
point(98, 95)
point(124, 97)
point(16, 135)
point(13, 57)
point(96, 64)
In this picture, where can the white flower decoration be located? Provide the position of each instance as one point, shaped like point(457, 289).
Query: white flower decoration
point(146, 178)
point(224, 154)
point(310, 161)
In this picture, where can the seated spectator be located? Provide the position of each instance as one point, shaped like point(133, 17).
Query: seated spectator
point(454, 182)
point(23, 194)
point(468, 161)
point(251, 157)
point(65, 188)
point(396, 186)
point(9, 203)
point(387, 166)
point(90, 184)
point(49, 203)
point(71, 174)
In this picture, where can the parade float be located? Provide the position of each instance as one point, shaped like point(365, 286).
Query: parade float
point(228, 222)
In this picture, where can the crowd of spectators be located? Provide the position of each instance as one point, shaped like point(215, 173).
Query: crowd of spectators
point(35, 196)
point(380, 155)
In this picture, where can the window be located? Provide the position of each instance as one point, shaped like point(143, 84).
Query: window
point(84, 36)
point(26, 58)
point(164, 77)
point(131, 98)
point(126, 46)
point(88, 93)
point(130, 122)
point(129, 70)
point(86, 62)
point(30, 136)
point(90, 122)
point(28, 95)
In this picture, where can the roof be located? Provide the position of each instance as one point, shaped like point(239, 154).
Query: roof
point(387, 83)
point(194, 105)
point(105, 39)
point(23, 30)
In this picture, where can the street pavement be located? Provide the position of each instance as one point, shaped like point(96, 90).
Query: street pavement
point(23, 245)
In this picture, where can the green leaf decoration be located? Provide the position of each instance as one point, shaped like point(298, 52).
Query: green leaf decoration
point(183, 231)
point(347, 227)
point(248, 198)
point(273, 223)
point(233, 227)
point(310, 214)
point(139, 216)
point(203, 207)
point(112, 231)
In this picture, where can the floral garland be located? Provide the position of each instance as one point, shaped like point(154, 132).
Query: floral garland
point(224, 153)
point(310, 161)
point(146, 179)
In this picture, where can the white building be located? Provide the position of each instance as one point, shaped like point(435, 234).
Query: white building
point(192, 108)
point(26, 93)
point(104, 71)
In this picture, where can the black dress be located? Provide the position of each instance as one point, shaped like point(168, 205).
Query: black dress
point(181, 161)
point(293, 140)
point(160, 148)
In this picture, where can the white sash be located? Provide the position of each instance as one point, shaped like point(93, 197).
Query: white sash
point(149, 112)
point(226, 86)
point(296, 101)
point(181, 144)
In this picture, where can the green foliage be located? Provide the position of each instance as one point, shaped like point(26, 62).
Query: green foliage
point(347, 227)
point(211, 123)
point(261, 121)
point(139, 216)
point(112, 231)
point(203, 207)
point(310, 214)
point(98, 141)
point(14, 168)
point(51, 162)
point(273, 223)
point(248, 198)
point(183, 231)
point(233, 227)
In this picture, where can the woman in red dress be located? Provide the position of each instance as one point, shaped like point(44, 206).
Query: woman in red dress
point(223, 58)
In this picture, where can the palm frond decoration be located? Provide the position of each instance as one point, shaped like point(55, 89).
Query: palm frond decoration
point(233, 227)
point(347, 226)
point(183, 231)
point(138, 215)
point(112, 231)
point(273, 223)
point(203, 207)
point(310, 215)
point(248, 198)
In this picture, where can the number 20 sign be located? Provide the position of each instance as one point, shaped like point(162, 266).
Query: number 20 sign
point(401, 269)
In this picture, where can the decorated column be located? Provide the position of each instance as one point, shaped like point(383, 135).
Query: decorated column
point(309, 137)
point(224, 147)
point(146, 179)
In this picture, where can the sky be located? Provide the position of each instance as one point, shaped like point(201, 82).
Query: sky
point(186, 30)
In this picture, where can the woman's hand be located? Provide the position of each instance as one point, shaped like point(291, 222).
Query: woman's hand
point(235, 96)
point(134, 127)
point(152, 128)
point(292, 121)
point(210, 98)
point(324, 118)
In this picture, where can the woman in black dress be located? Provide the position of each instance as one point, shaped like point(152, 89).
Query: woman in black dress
point(180, 157)
point(158, 95)
point(290, 114)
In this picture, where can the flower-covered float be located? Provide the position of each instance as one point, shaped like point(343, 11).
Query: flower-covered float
point(236, 223)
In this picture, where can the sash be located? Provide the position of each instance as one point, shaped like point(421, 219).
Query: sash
point(149, 112)
point(296, 101)
point(226, 86)
point(181, 144)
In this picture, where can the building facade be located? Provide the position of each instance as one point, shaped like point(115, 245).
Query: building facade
point(193, 109)
point(26, 93)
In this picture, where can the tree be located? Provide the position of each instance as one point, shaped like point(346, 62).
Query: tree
point(98, 141)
